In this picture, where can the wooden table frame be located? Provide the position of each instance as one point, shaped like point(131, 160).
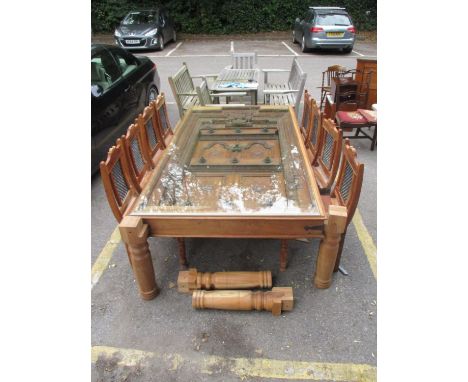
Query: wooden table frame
point(327, 226)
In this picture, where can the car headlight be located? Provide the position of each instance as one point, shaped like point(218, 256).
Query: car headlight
point(152, 32)
point(117, 33)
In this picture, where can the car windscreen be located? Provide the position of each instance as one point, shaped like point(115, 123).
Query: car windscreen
point(333, 19)
point(137, 18)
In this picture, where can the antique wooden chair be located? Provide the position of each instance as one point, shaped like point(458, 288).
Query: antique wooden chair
point(162, 119)
point(243, 60)
point(183, 88)
point(285, 93)
point(117, 181)
point(138, 154)
point(328, 154)
point(313, 132)
point(350, 117)
point(327, 76)
point(152, 134)
point(208, 99)
point(347, 188)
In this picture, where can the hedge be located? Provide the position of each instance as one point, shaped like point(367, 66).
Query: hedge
point(229, 16)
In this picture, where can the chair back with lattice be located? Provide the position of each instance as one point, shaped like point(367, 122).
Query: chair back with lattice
point(138, 154)
point(153, 137)
point(162, 117)
point(118, 185)
point(243, 60)
point(329, 151)
point(313, 132)
point(347, 187)
point(204, 94)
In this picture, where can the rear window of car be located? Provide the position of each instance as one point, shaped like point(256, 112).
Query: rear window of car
point(333, 19)
point(143, 17)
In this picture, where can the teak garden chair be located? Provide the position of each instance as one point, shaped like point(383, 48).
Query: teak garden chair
point(347, 188)
point(328, 154)
point(243, 60)
point(183, 88)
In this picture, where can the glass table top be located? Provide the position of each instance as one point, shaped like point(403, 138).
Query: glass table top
point(232, 161)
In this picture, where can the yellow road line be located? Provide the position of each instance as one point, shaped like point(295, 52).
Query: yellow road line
point(242, 367)
point(366, 241)
point(104, 257)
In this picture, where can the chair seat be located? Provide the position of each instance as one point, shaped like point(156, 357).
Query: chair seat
point(280, 99)
point(351, 117)
point(370, 115)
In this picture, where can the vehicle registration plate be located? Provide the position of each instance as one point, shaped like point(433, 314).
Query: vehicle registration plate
point(335, 34)
point(132, 41)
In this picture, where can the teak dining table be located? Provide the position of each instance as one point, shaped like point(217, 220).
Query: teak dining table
point(232, 172)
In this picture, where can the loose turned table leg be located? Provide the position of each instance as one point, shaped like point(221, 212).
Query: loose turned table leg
point(135, 234)
point(329, 246)
point(182, 258)
point(283, 255)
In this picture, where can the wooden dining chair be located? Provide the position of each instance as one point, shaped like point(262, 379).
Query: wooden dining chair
point(327, 77)
point(118, 183)
point(347, 188)
point(152, 134)
point(137, 151)
point(328, 154)
point(162, 118)
point(305, 123)
point(314, 130)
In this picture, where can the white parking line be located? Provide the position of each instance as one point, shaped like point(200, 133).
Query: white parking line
point(260, 55)
point(358, 53)
point(232, 46)
point(173, 50)
point(287, 46)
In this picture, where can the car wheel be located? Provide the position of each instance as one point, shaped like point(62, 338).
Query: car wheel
point(152, 94)
point(294, 37)
point(347, 50)
point(174, 36)
point(161, 42)
point(303, 45)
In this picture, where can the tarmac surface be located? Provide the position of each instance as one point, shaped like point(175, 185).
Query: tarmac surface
point(332, 331)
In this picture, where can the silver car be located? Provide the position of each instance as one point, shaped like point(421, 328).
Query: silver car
point(325, 27)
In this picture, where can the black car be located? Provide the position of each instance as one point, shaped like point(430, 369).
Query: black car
point(121, 86)
point(146, 29)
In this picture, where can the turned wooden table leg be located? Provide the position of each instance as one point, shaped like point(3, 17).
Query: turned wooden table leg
point(182, 258)
point(135, 234)
point(283, 255)
point(329, 246)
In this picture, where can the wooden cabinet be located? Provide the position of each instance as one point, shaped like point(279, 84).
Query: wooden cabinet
point(366, 65)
